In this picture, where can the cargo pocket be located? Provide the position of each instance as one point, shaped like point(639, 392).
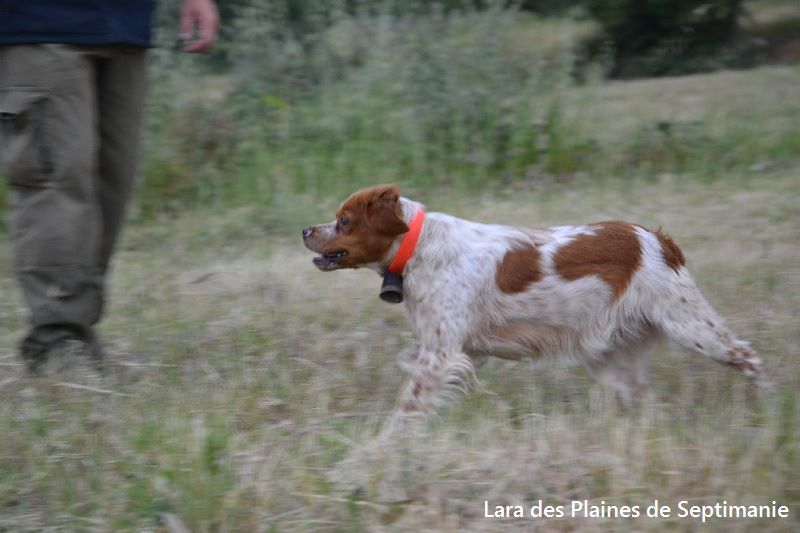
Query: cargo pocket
point(26, 155)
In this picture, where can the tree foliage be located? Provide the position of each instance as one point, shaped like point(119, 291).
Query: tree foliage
point(653, 37)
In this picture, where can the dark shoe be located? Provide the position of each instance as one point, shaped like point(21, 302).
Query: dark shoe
point(66, 349)
point(33, 355)
point(92, 347)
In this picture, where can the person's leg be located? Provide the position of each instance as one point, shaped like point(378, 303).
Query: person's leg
point(121, 89)
point(48, 134)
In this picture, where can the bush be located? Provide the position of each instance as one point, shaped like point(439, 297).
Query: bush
point(659, 37)
point(470, 100)
point(424, 99)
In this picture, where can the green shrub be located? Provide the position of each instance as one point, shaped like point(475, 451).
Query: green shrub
point(470, 100)
point(657, 37)
point(423, 99)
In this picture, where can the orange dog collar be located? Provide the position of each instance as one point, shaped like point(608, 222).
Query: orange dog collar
point(408, 245)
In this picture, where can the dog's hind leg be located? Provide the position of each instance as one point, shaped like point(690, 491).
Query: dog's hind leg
point(688, 319)
point(624, 368)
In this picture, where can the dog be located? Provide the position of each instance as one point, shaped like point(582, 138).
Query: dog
point(599, 294)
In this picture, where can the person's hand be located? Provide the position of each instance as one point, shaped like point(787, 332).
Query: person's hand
point(199, 24)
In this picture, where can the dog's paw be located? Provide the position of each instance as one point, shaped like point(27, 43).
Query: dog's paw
point(374, 471)
point(353, 473)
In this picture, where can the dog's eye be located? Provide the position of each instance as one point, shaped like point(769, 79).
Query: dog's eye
point(344, 222)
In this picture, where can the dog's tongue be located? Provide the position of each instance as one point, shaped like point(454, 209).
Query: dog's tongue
point(322, 263)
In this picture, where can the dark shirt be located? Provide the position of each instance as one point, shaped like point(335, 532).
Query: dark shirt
point(76, 21)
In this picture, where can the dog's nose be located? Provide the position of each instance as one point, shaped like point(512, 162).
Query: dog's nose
point(307, 233)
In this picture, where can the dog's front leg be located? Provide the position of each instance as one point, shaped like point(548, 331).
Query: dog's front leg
point(436, 376)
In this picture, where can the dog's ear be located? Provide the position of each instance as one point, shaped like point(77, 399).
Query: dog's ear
point(384, 212)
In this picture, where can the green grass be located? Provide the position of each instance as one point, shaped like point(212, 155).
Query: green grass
point(241, 381)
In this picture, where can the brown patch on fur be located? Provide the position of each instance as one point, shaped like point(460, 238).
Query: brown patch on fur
point(744, 365)
point(380, 207)
point(612, 253)
point(739, 353)
point(673, 256)
point(518, 269)
point(374, 220)
point(745, 360)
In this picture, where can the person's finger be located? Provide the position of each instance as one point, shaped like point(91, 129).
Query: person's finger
point(186, 24)
point(207, 34)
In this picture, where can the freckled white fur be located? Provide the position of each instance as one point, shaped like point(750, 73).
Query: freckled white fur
point(460, 315)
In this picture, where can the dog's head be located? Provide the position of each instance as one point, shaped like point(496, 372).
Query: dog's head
point(366, 226)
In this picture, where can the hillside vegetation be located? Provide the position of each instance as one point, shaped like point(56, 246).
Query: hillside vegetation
point(241, 383)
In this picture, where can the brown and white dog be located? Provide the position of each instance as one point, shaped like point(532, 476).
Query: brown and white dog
point(599, 294)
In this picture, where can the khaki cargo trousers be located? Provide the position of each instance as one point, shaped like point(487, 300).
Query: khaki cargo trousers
point(70, 121)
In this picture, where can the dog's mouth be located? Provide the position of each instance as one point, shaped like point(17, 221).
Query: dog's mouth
point(329, 261)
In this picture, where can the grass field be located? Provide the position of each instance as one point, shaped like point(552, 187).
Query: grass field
point(240, 380)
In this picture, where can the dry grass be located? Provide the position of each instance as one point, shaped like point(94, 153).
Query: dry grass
point(719, 99)
point(241, 381)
